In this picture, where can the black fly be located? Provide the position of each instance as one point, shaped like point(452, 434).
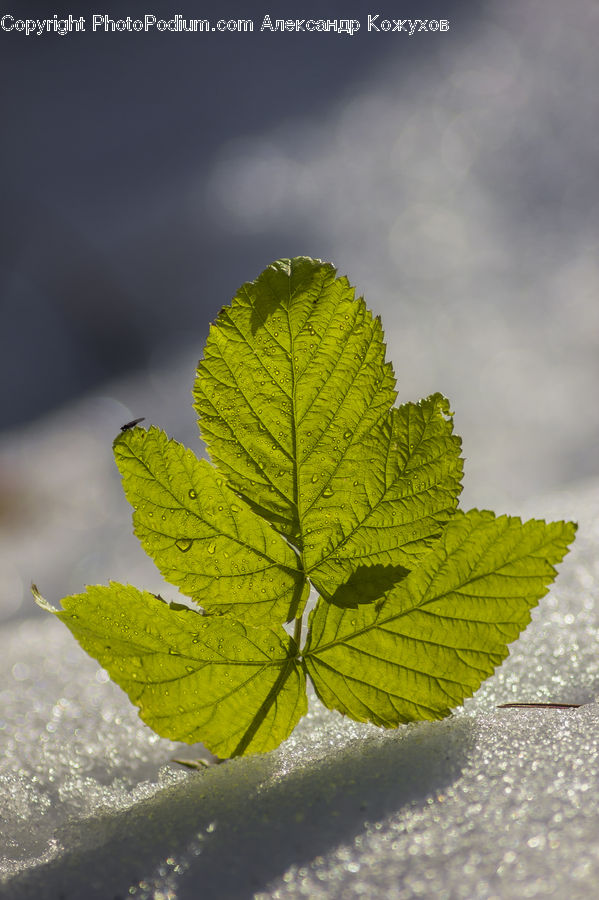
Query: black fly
point(132, 423)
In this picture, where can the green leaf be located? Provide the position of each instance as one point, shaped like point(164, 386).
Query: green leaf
point(235, 687)
point(440, 632)
point(318, 480)
point(294, 399)
point(201, 536)
point(388, 502)
point(293, 375)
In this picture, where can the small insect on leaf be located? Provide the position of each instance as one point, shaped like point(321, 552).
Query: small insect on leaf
point(132, 423)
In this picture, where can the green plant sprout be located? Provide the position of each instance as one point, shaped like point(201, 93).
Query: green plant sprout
point(318, 481)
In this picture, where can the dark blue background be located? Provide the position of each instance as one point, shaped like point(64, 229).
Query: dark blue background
point(108, 247)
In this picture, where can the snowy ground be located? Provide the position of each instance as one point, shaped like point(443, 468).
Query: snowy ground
point(491, 803)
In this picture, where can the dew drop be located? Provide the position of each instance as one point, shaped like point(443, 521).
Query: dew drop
point(234, 508)
point(211, 548)
point(314, 479)
point(193, 494)
point(327, 492)
point(183, 544)
point(347, 434)
point(189, 669)
point(173, 652)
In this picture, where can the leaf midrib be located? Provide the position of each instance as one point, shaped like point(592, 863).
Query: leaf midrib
point(379, 623)
point(218, 532)
point(179, 655)
point(372, 510)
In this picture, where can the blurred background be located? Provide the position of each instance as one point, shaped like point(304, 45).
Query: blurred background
point(453, 176)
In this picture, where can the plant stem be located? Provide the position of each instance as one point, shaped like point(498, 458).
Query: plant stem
point(539, 706)
point(297, 632)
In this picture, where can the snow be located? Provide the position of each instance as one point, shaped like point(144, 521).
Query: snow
point(490, 803)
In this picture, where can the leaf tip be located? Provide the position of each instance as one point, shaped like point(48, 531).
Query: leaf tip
point(41, 601)
point(570, 528)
